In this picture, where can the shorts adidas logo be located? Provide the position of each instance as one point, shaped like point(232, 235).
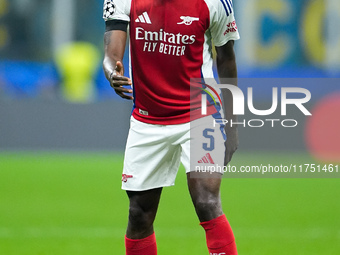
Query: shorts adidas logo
point(206, 159)
point(144, 18)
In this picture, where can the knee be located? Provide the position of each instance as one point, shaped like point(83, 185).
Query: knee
point(208, 208)
point(140, 218)
point(207, 204)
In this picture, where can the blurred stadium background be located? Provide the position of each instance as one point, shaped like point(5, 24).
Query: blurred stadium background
point(63, 131)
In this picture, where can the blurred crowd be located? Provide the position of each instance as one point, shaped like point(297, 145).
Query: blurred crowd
point(53, 48)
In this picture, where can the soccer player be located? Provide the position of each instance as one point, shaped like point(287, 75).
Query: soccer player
point(170, 43)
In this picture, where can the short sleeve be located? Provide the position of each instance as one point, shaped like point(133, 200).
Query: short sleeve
point(223, 26)
point(117, 10)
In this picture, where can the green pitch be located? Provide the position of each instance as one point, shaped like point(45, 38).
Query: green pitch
point(71, 203)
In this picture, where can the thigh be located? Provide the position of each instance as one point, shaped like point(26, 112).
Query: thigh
point(147, 200)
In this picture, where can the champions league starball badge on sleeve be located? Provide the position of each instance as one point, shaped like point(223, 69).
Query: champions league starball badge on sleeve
point(109, 9)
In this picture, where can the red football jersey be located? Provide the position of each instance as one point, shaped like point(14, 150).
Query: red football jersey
point(170, 43)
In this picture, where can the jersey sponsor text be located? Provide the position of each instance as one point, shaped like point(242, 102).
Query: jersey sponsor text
point(164, 42)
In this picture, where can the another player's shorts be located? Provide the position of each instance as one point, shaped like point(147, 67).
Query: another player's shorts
point(154, 152)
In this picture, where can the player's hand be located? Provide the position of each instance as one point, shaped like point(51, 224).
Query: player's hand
point(118, 81)
point(231, 144)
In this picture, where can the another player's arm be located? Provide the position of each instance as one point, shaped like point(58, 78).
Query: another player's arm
point(227, 72)
point(115, 41)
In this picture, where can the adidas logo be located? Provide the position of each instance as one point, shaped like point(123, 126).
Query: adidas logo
point(207, 159)
point(144, 18)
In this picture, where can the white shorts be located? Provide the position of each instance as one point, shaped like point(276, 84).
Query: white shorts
point(153, 152)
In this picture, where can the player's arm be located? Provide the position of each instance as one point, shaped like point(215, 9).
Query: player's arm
point(227, 72)
point(114, 42)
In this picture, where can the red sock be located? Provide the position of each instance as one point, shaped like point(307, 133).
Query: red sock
point(220, 237)
point(145, 246)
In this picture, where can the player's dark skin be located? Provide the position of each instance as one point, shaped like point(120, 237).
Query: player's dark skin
point(205, 192)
